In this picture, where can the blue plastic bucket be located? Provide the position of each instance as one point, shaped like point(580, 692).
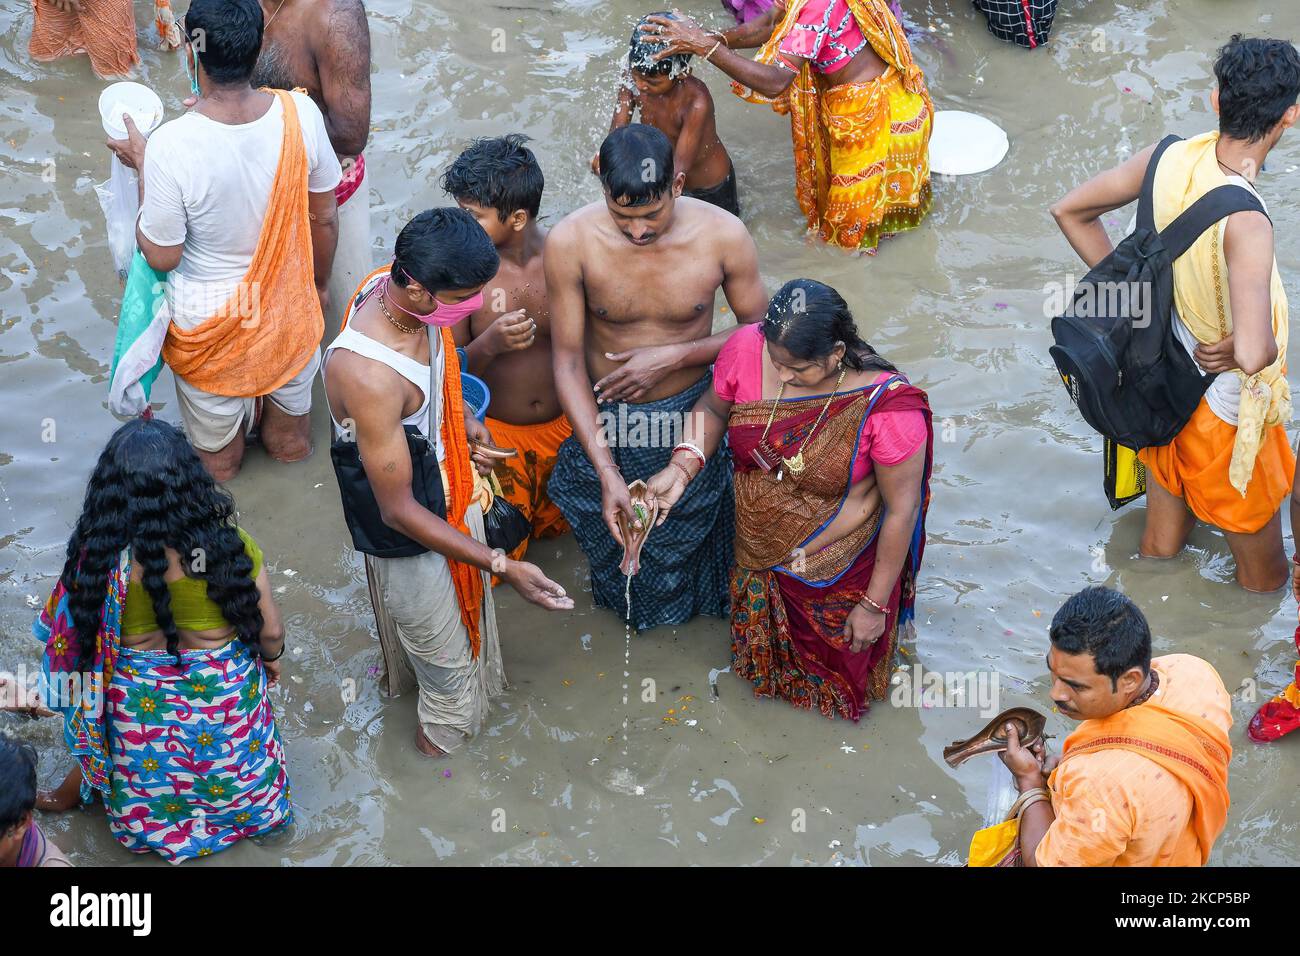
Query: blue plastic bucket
point(476, 394)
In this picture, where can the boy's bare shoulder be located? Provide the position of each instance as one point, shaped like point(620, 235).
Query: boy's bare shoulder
point(698, 93)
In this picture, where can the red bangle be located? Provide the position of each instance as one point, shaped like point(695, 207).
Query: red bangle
point(1295, 558)
point(874, 606)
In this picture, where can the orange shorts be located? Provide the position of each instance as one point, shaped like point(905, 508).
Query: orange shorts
point(1194, 466)
point(523, 478)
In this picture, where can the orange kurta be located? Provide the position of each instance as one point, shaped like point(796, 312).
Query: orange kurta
point(268, 331)
point(1147, 786)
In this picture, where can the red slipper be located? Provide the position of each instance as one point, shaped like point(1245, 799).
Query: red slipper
point(1275, 719)
point(1281, 715)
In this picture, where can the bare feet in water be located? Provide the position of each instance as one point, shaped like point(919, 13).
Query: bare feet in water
point(426, 746)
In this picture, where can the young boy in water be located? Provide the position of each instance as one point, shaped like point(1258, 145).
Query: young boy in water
point(678, 104)
point(508, 341)
point(22, 842)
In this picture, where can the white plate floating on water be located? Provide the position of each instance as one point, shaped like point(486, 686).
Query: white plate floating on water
point(963, 143)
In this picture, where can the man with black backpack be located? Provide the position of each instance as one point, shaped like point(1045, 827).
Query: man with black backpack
point(1210, 435)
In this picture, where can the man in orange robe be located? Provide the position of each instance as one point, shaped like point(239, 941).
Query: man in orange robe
point(1143, 781)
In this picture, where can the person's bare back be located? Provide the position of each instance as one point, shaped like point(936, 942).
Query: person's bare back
point(685, 115)
point(322, 46)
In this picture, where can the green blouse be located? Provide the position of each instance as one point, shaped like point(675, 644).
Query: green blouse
point(191, 608)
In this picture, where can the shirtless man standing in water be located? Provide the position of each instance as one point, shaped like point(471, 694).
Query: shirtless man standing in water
point(323, 46)
point(632, 281)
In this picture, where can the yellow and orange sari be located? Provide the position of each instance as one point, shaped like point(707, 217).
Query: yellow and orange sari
point(861, 150)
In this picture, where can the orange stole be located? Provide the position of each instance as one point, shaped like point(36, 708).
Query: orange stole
point(458, 468)
point(268, 330)
point(1195, 751)
point(104, 29)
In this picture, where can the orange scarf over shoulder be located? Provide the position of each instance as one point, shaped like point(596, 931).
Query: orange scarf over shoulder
point(268, 330)
point(461, 483)
point(1193, 750)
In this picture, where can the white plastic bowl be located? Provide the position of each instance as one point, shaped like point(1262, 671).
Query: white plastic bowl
point(962, 143)
point(142, 103)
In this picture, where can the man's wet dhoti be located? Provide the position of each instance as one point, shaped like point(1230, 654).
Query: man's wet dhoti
point(686, 562)
point(524, 478)
point(1194, 467)
point(425, 643)
point(353, 254)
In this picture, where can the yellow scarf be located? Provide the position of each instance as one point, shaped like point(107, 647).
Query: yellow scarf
point(1187, 171)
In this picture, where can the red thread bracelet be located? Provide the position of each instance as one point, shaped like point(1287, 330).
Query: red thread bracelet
point(874, 606)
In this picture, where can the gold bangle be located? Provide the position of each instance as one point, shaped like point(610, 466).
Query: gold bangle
point(1025, 799)
point(710, 53)
point(1033, 798)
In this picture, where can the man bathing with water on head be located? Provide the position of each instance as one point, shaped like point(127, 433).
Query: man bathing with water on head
point(632, 280)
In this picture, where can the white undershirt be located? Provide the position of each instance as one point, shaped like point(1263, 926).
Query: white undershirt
point(208, 185)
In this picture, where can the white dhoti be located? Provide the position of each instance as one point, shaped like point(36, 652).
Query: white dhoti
point(353, 257)
point(425, 645)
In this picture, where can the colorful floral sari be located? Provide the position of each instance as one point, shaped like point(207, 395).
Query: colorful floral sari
point(788, 616)
point(861, 150)
point(186, 759)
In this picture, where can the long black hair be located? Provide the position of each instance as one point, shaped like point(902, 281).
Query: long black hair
point(150, 492)
point(808, 319)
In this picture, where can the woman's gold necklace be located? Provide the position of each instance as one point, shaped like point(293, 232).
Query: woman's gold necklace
point(383, 307)
point(796, 463)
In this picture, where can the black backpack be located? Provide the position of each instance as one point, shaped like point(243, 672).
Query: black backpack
point(1115, 344)
point(1022, 22)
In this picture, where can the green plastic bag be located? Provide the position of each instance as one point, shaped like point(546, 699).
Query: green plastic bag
point(141, 327)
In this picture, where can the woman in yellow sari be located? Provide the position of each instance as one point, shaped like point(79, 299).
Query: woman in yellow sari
point(860, 112)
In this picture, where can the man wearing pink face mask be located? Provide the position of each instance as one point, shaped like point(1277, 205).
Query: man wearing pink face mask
point(402, 454)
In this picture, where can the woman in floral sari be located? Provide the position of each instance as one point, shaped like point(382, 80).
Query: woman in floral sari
point(860, 113)
point(832, 453)
point(161, 639)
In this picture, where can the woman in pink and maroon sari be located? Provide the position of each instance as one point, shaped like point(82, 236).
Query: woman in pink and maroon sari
point(832, 449)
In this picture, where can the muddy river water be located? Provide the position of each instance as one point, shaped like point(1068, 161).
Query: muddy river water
point(1018, 519)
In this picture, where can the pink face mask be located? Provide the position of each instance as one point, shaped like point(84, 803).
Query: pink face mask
point(444, 315)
